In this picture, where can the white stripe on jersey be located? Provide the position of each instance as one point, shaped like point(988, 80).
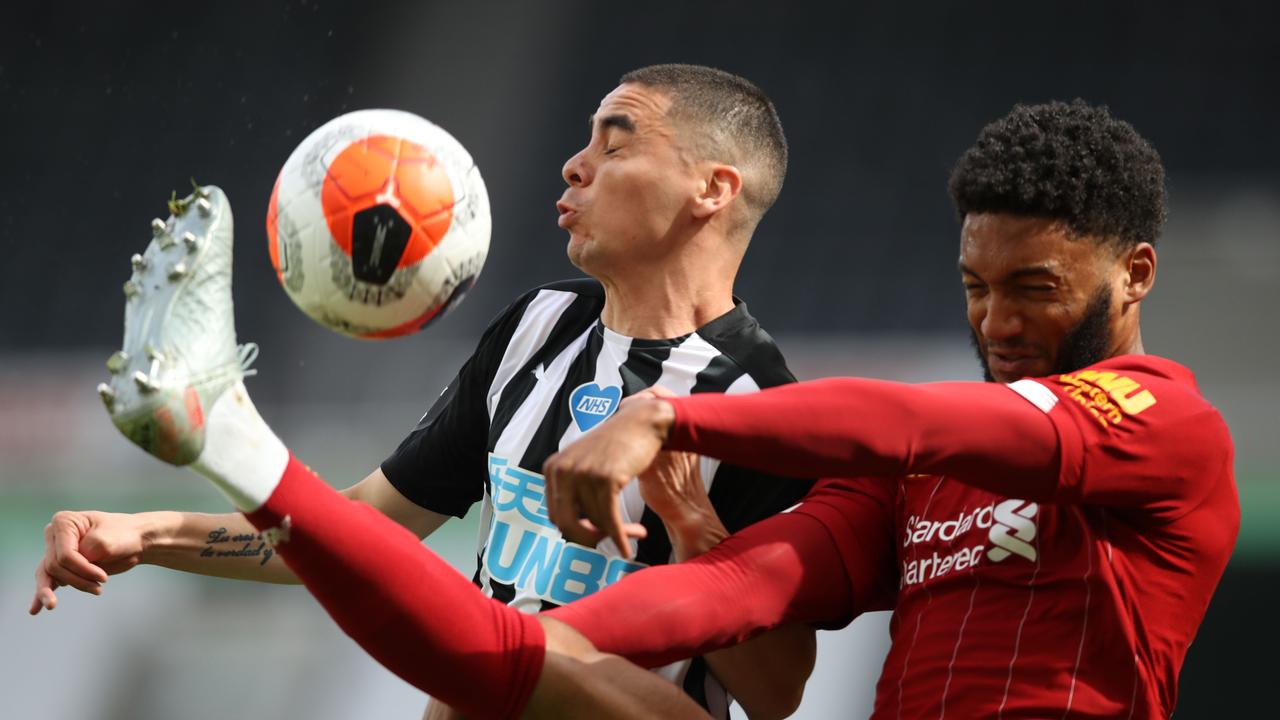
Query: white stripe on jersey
point(1035, 393)
point(524, 423)
point(536, 323)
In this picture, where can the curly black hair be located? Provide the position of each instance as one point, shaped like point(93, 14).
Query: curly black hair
point(1065, 161)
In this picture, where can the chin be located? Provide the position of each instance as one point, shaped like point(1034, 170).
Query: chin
point(576, 250)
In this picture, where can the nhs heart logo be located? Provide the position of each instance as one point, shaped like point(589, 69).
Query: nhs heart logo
point(591, 404)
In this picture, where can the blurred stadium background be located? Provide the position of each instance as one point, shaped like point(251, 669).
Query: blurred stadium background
point(106, 108)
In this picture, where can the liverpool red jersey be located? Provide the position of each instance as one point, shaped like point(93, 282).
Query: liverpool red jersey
point(1080, 606)
point(1057, 540)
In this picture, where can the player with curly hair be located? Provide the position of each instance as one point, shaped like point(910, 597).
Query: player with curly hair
point(1049, 540)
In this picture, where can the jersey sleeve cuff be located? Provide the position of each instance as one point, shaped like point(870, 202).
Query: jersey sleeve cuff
point(401, 479)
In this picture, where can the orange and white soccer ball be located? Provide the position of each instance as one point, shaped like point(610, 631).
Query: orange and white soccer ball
point(378, 224)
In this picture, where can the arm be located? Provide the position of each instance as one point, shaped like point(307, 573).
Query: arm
point(83, 548)
point(983, 434)
point(766, 674)
point(198, 543)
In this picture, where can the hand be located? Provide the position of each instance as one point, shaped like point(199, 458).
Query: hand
point(82, 549)
point(672, 486)
point(586, 477)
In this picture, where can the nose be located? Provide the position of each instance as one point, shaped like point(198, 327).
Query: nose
point(577, 171)
point(1002, 320)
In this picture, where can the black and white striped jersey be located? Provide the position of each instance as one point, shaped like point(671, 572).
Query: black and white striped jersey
point(546, 371)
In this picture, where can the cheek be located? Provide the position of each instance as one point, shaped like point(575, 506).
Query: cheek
point(1051, 323)
point(976, 310)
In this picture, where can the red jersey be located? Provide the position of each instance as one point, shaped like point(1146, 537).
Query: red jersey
point(1044, 569)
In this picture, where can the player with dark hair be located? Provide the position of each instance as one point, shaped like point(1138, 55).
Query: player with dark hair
point(682, 163)
point(1049, 540)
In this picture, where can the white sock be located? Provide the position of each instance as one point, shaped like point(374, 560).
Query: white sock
point(241, 455)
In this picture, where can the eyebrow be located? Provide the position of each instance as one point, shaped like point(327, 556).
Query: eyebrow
point(1024, 272)
point(621, 122)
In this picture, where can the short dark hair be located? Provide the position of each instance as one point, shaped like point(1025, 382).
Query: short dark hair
point(739, 124)
point(1065, 161)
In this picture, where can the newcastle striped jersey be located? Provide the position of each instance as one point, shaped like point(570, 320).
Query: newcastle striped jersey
point(546, 371)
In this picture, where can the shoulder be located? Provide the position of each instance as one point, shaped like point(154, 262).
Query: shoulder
point(1130, 386)
point(1143, 409)
point(582, 297)
point(581, 287)
point(738, 336)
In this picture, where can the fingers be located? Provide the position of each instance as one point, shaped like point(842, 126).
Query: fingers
point(66, 550)
point(62, 576)
point(44, 599)
point(616, 530)
point(571, 495)
point(602, 508)
point(39, 602)
point(593, 535)
point(561, 507)
point(63, 564)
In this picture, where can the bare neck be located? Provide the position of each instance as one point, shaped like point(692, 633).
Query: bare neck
point(668, 300)
point(1127, 337)
point(1132, 345)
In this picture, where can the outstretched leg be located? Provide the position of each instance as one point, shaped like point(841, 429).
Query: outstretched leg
point(176, 392)
point(412, 611)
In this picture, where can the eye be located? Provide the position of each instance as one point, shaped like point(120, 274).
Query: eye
point(973, 287)
point(611, 150)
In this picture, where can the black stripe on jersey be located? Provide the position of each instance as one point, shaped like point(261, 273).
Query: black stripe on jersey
point(655, 548)
point(642, 369)
point(695, 681)
point(717, 376)
point(739, 336)
point(502, 592)
point(643, 366)
point(567, 328)
point(546, 439)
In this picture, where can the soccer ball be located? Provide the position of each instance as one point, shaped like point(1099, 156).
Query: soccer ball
point(378, 224)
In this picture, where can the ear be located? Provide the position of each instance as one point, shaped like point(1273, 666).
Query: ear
point(1140, 267)
point(720, 186)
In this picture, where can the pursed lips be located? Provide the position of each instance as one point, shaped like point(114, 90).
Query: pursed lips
point(567, 214)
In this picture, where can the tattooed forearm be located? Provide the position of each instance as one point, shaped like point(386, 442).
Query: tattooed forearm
point(222, 544)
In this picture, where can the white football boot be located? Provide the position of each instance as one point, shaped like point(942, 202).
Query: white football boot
point(179, 353)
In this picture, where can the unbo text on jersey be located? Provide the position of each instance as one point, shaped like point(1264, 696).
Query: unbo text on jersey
point(526, 550)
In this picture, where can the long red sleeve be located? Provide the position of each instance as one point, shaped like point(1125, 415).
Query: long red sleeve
point(784, 569)
point(982, 434)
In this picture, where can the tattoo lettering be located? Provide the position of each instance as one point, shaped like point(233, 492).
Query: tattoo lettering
point(251, 545)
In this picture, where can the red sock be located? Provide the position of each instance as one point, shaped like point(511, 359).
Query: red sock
point(405, 606)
